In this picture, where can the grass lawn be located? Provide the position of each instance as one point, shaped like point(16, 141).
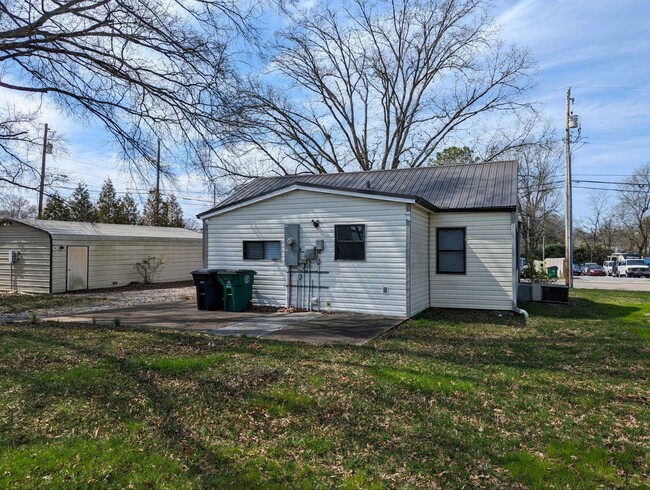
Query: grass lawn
point(446, 400)
point(15, 303)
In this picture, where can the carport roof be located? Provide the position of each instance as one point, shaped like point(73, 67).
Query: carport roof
point(483, 186)
point(107, 231)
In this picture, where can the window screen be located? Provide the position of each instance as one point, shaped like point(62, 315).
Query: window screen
point(450, 250)
point(350, 242)
point(262, 250)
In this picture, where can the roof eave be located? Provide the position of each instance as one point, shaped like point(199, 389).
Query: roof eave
point(317, 188)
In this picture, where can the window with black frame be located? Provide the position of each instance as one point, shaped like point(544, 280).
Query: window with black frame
point(450, 251)
point(262, 250)
point(350, 242)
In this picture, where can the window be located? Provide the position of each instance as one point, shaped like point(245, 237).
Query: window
point(350, 242)
point(450, 250)
point(262, 250)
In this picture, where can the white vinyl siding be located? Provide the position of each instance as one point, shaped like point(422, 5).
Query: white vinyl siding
point(349, 285)
point(488, 281)
point(111, 263)
point(31, 274)
point(419, 261)
point(111, 258)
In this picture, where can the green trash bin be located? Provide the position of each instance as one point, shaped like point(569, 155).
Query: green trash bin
point(237, 288)
point(552, 272)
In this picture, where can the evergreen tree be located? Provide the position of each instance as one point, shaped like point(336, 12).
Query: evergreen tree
point(107, 209)
point(453, 155)
point(56, 208)
point(173, 212)
point(127, 213)
point(153, 213)
point(169, 213)
point(81, 207)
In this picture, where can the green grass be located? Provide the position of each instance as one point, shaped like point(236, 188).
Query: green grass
point(450, 399)
point(14, 303)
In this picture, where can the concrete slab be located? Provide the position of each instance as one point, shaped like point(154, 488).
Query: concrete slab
point(310, 327)
point(177, 314)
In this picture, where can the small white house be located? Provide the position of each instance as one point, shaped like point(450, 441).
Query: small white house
point(391, 242)
point(40, 256)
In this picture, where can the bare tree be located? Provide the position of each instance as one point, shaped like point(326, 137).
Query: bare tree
point(15, 206)
point(144, 70)
point(633, 208)
point(539, 198)
point(592, 227)
point(379, 85)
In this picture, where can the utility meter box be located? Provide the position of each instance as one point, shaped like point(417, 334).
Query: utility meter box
point(320, 245)
point(291, 245)
point(14, 256)
point(310, 253)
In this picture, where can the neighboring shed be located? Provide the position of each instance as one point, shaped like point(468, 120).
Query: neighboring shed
point(59, 256)
point(393, 242)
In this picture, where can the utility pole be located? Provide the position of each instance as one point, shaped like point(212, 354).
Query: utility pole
point(46, 147)
point(157, 196)
point(571, 123)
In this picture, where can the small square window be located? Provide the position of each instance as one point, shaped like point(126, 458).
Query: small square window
point(350, 242)
point(450, 251)
point(262, 250)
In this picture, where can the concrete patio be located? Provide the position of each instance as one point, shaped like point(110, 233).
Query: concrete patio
point(309, 327)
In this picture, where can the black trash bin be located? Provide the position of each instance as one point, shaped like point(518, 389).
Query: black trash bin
point(209, 292)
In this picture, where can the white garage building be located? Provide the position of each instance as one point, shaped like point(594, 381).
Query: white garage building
point(40, 256)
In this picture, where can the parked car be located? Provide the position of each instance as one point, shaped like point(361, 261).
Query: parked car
point(647, 261)
point(577, 270)
point(632, 268)
point(609, 267)
point(593, 269)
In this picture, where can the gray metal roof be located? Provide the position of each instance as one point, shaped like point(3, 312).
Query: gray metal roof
point(108, 231)
point(447, 187)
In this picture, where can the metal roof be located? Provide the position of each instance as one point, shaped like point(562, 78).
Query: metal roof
point(445, 187)
point(107, 231)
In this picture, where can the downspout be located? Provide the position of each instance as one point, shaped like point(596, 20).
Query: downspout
point(516, 309)
point(51, 264)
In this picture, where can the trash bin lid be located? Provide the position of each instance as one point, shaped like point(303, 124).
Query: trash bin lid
point(236, 272)
point(207, 271)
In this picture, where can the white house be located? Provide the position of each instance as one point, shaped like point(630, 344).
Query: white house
point(40, 256)
point(391, 242)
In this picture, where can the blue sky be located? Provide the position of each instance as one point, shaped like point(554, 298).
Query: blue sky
point(599, 49)
point(602, 51)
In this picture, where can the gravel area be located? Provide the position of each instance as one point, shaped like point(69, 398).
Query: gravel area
point(108, 299)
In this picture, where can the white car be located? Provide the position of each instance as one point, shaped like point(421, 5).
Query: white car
point(608, 265)
point(632, 268)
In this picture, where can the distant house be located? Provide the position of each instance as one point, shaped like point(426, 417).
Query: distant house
point(39, 256)
point(391, 242)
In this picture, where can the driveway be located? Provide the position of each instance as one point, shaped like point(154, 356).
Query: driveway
point(310, 327)
point(612, 283)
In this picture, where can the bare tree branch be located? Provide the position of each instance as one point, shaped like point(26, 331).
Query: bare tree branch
point(382, 84)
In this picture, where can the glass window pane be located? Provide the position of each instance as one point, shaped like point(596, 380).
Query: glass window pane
point(451, 239)
point(350, 242)
point(451, 261)
point(272, 250)
point(254, 250)
point(350, 251)
point(354, 233)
